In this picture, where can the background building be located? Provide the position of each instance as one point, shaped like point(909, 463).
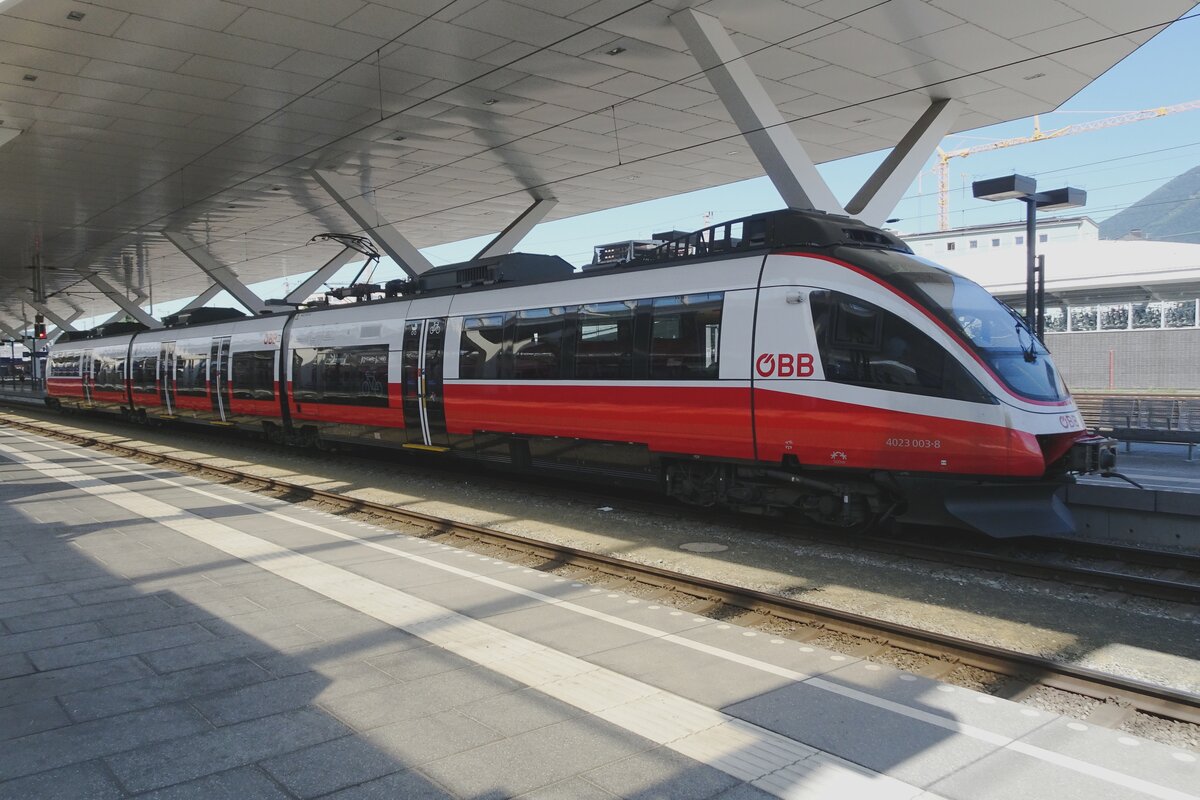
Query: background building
point(1120, 315)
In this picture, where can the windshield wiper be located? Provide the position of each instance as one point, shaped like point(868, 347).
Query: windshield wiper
point(1029, 353)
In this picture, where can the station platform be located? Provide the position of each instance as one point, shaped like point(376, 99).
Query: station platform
point(163, 636)
point(22, 393)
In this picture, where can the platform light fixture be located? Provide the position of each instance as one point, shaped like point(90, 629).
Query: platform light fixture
point(1024, 188)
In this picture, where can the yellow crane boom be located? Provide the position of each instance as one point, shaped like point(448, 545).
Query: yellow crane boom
point(1038, 135)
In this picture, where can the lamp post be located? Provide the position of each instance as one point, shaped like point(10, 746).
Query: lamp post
point(1024, 188)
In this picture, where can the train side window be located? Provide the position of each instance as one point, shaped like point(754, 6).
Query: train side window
point(110, 374)
point(685, 337)
point(348, 376)
point(481, 349)
point(865, 345)
point(64, 365)
point(356, 376)
point(306, 376)
point(191, 375)
point(142, 373)
point(604, 343)
point(537, 344)
point(254, 375)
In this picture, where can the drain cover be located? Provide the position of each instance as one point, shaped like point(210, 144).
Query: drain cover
point(703, 547)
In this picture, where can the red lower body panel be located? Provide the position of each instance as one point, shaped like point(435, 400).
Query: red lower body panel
point(712, 421)
point(834, 434)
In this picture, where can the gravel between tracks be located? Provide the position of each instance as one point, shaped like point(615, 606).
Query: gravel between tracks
point(1138, 638)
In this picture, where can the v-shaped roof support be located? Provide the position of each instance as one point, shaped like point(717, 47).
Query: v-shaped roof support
point(781, 154)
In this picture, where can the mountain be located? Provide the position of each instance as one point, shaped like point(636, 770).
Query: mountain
point(1170, 213)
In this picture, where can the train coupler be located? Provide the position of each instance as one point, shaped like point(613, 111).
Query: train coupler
point(1092, 454)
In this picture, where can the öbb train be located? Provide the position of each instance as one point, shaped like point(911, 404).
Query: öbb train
point(788, 362)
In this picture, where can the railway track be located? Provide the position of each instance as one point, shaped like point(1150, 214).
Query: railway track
point(809, 620)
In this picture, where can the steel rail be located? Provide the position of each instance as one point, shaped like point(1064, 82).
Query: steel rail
point(1088, 577)
point(1146, 697)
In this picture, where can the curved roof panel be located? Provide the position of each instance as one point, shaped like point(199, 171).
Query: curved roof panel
point(206, 117)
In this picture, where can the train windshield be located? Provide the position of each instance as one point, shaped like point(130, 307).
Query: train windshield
point(996, 333)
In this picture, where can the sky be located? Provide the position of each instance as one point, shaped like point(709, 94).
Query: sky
point(1117, 166)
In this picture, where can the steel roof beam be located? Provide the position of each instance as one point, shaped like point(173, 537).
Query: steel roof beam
point(304, 290)
point(511, 236)
point(201, 299)
point(128, 306)
point(882, 191)
point(779, 152)
point(48, 313)
point(13, 333)
point(222, 275)
point(389, 240)
point(53, 336)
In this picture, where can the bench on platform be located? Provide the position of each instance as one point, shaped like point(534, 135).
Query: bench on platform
point(1157, 419)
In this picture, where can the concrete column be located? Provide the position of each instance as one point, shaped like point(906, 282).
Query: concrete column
point(389, 240)
point(220, 274)
point(302, 292)
point(879, 195)
point(786, 162)
point(519, 229)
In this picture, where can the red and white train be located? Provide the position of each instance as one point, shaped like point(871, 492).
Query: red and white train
point(787, 361)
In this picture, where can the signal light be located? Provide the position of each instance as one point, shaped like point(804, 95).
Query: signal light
point(39, 326)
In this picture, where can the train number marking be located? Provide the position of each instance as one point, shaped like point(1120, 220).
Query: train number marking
point(916, 444)
point(784, 365)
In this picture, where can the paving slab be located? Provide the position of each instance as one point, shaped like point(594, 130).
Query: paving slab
point(210, 751)
point(338, 660)
point(89, 780)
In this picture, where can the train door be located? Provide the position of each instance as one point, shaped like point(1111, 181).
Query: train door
point(166, 377)
point(423, 356)
point(218, 378)
point(87, 372)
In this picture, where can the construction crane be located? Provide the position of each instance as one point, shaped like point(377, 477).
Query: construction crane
point(943, 165)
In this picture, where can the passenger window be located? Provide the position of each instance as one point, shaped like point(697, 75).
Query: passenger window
point(142, 372)
point(349, 376)
point(481, 348)
point(862, 344)
point(685, 336)
point(254, 375)
point(192, 377)
point(604, 347)
point(537, 344)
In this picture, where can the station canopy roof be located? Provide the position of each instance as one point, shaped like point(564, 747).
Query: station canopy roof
point(206, 116)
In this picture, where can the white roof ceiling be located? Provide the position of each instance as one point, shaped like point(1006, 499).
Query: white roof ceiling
point(206, 115)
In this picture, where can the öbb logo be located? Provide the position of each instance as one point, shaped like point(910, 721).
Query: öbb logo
point(784, 365)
